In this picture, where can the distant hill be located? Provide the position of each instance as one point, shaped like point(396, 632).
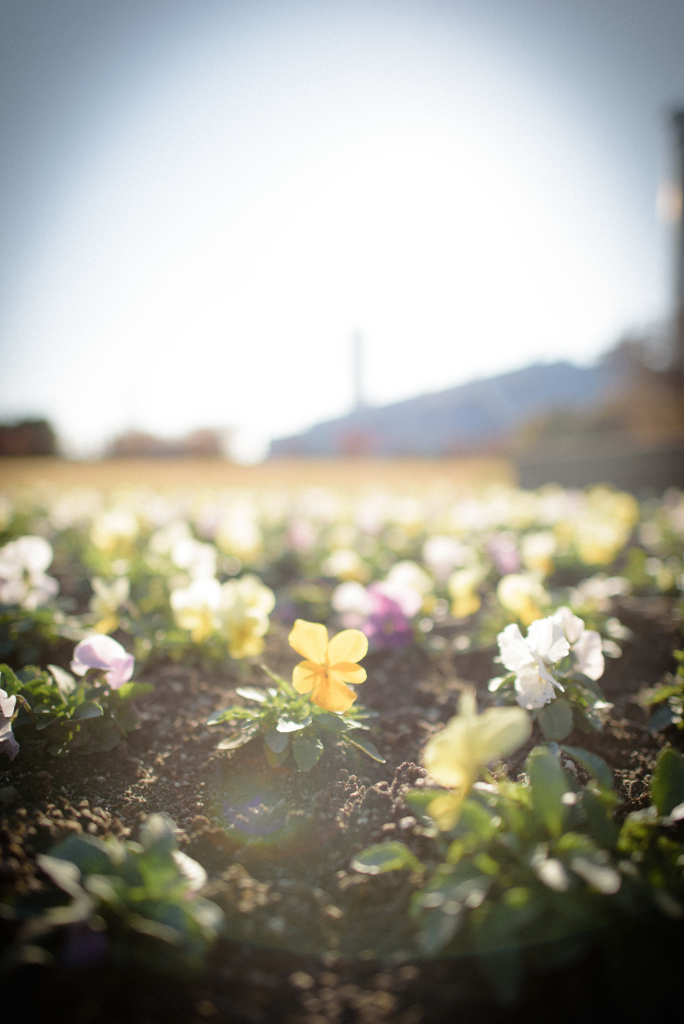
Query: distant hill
point(479, 416)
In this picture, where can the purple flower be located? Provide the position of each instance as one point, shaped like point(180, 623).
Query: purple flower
point(503, 549)
point(387, 625)
point(100, 651)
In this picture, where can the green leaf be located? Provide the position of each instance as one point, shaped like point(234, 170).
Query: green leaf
point(126, 718)
point(45, 719)
point(478, 819)
point(438, 930)
point(130, 690)
point(661, 718)
point(599, 811)
point(63, 873)
point(219, 716)
point(290, 725)
point(276, 759)
point(667, 784)
point(391, 856)
point(64, 680)
point(419, 799)
point(251, 693)
point(332, 723)
point(368, 748)
point(158, 835)
point(155, 929)
point(239, 739)
point(548, 784)
point(277, 741)
point(102, 735)
point(593, 764)
point(88, 709)
point(91, 855)
point(555, 719)
point(590, 684)
point(307, 750)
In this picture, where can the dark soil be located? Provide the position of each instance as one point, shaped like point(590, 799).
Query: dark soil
point(309, 940)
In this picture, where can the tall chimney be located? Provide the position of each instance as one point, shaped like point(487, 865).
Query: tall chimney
point(357, 370)
point(677, 361)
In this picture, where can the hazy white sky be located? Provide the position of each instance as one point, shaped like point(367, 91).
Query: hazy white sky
point(282, 174)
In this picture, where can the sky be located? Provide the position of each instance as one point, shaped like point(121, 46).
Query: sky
point(202, 200)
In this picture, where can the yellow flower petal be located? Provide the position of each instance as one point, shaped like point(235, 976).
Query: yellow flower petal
point(349, 645)
point(445, 810)
point(349, 672)
point(310, 639)
point(332, 695)
point(304, 676)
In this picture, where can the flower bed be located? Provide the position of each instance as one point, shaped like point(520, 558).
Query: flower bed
point(297, 860)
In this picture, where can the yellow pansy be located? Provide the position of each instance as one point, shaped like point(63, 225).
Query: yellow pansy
point(523, 595)
point(456, 755)
point(329, 664)
point(107, 600)
point(537, 551)
point(244, 610)
point(462, 586)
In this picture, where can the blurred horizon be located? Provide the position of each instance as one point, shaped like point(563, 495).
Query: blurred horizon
point(203, 202)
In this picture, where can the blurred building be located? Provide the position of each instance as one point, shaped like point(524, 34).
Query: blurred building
point(200, 444)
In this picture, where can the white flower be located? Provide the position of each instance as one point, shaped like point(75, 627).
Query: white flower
point(238, 534)
point(346, 564)
point(529, 657)
point(353, 602)
point(103, 652)
point(114, 530)
point(8, 744)
point(585, 644)
point(166, 537)
point(444, 554)
point(198, 559)
point(22, 573)
point(196, 607)
point(409, 576)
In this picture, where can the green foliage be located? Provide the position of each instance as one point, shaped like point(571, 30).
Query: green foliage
point(542, 861)
point(289, 723)
point(120, 902)
point(667, 784)
point(581, 705)
point(667, 700)
point(55, 711)
point(391, 856)
point(27, 637)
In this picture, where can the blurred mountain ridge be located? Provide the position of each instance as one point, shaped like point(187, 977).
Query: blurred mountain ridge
point(480, 416)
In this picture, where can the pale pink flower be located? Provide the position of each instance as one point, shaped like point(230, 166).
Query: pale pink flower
point(104, 653)
point(8, 744)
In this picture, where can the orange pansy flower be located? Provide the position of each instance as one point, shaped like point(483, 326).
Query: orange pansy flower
point(329, 664)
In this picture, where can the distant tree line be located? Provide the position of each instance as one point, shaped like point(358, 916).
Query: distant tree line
point(28, 437)
point(199, 444)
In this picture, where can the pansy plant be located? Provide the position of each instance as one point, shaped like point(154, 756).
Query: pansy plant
point(297, 717)
point(119, 904)
point(667, 699)
point(553, 672)
point(536, 862)
point(89, 711)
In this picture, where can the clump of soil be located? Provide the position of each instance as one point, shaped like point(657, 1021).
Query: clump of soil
point(309, 940)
